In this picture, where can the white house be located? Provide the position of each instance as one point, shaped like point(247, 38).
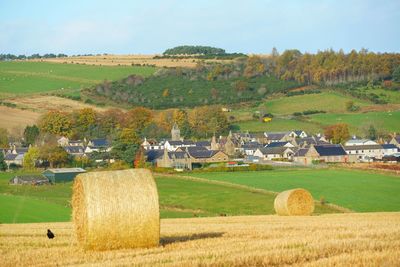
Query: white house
point(270, 153)
point(365, 153)
point(173, 145)
point(360, 142)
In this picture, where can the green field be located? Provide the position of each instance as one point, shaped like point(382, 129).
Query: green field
point(178, 199)
point(277, 124)
point(360, 191)
point(38, 77)
point(388, 121)
point(328, 101)
point(358, 122)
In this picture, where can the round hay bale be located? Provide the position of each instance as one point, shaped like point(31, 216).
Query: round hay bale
point(294, 202)
point(116, 209)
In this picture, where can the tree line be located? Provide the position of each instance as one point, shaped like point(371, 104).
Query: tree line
point(329, 67)
point(194, 50)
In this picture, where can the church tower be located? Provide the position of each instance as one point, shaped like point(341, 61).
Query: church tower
point(175, 133)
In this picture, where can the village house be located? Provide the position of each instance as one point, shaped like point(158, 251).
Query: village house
point(365, 153)
point(98, 145)
point(271, 153)
point(203, 155)
point(178, 160)
point(389, 149)
point(278, 136)
point(360, 142)
point(76, 151)
point(323, 153)
point(395, 140)
point(249, 148)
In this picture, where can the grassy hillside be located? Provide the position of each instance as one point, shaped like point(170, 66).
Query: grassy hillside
point(388, 121)
point(383, 117)
point(176, 89)
point(356, 190)
point(37, 77)
point(278, 124)
point(332, 102)
point(327, 240)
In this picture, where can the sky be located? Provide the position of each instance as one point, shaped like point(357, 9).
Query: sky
point(151, 26)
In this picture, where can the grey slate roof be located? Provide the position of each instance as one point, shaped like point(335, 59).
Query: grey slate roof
point(277, 144)
point(74, 149)
point(276, 135)
point(101, 142)
point(154, 154)
point(301, 152)
point(252, 145)
point(273, 150)
point(10, 156)
point(66, 170)
point(203, 143)
point(363, 147)
point(389, 146)
point(330, 150)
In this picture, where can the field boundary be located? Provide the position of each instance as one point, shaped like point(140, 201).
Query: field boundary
point(243, 187)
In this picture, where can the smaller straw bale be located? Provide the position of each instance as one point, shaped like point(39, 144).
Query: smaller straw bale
point(116, 209)
point(294, 202)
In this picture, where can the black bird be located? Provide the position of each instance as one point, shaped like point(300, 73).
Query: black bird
point(50, 234)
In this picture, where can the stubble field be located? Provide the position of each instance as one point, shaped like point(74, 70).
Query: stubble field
point(371, 239)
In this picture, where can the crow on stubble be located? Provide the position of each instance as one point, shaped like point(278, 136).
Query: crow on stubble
point(50, 234)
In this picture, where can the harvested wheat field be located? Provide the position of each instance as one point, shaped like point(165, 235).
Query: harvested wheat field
point(128, 60)
point(368, 239)
point(43, 103)
point(13, 118)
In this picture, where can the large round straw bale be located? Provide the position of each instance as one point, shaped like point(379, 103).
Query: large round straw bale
point(116, 209)
point(294, 202)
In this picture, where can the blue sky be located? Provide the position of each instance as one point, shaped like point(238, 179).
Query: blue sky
point(151, 26)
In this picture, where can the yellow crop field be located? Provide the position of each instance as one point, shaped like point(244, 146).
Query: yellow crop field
point(367, 239)
point(128, 60)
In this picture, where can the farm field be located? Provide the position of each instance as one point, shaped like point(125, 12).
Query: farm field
point(360, 191)
point(370, 239)
point(27, 77)
point(16, 119)
point(332, 102)
point(178, 198)
point(277, 124)
point(388, 120)
point(40, 103)
point(128, 60)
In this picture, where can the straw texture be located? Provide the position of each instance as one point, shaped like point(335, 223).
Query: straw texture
point(294, 202)
point(116, 209)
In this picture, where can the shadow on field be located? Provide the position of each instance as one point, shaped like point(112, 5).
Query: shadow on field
point(184, 238)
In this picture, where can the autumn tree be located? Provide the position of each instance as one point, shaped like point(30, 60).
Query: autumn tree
point(85, 120)
point(140, 158)
point(241, 85)
point(138, 118)
point(125, 145)
point(111, 120)
point(207, 120)
point(56, 122)
point(254, 67)
point(54, 155)
point(396, 74)
point(3, 138)
point(30, 158)
point(3, 164)
point(338, 133)
point(31, 133)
